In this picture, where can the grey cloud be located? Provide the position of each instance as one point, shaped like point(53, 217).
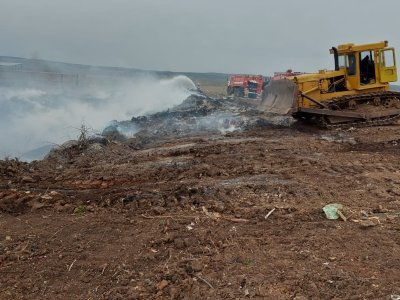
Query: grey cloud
point(251, 36)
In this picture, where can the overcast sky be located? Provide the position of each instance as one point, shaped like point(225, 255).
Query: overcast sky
point(230, 36)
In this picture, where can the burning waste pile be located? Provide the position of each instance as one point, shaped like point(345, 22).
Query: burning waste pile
point(41, 120)
point(198, 114)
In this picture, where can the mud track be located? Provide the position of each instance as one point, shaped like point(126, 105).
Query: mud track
point(185, 218)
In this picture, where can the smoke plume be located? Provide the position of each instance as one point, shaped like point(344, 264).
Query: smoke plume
point(31, 118)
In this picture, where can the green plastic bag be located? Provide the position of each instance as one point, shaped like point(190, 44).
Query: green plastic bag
point(331, 210)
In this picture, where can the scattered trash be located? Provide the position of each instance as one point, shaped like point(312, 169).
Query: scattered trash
point(339, 138)
point(269, 213)
point(190, 226)
point(212, 215)
point(333, 211)
point(71, 265)
point(342, 216)
point(46, 197)
point(203, 280)
point(367, 223)
point(394, 297)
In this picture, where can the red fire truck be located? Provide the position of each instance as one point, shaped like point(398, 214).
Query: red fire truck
point(245, 85)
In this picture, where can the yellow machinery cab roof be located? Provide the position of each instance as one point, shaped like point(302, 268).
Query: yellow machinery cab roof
point(342, 49)
point(347, 48)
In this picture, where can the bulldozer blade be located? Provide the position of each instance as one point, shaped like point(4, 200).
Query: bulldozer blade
point(280, 97)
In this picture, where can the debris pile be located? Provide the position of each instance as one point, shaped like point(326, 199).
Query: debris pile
point(197, 114)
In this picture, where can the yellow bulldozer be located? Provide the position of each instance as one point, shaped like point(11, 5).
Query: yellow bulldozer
point(356, 93)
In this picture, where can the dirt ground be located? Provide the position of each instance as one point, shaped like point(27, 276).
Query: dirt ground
point(208, 216)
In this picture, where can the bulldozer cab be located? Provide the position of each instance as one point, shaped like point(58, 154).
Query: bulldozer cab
point(366, 66)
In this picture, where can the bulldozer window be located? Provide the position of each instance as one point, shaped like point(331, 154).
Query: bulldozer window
point(351, 64)
point(388, 58)
point(342, 63)
point(367, 67)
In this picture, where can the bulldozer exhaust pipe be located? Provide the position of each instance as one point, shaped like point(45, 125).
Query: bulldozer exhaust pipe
point(336, 56)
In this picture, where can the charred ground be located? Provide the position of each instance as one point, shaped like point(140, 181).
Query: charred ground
point(206, 213)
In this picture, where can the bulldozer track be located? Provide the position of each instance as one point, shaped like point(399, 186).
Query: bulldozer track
point(359, 124)
point(340, 102)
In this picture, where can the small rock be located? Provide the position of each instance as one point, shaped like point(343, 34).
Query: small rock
point(11, 170)
point(313, 287)
point(218, 207)
point(173, 292)
point(351, 141)
point(124, 281)
point(189, 241)
point(86, 279)
point(36, 205)
point(391, 218)
point(158, 210)
point(64, 208)
point(197, 266)
point(179, 243)
point(8, 238)
point(28, 179)
point(162, 284)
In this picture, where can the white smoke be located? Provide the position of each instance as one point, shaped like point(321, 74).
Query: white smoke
point(151, 96)
point(32, 118)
